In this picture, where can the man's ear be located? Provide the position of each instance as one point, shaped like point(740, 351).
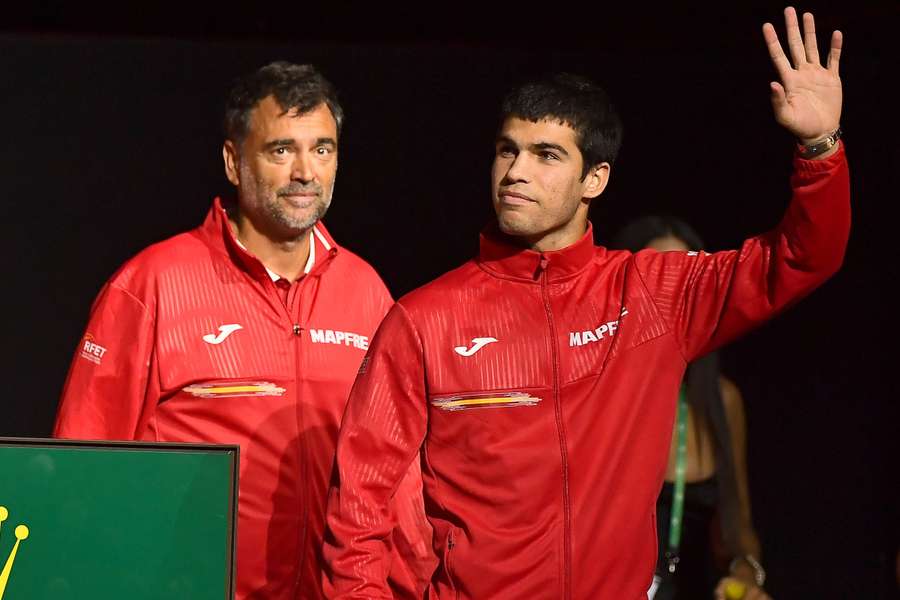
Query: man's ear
point(232, 158)
point(595, 181)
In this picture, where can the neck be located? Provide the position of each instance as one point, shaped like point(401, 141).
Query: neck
point(285, 257)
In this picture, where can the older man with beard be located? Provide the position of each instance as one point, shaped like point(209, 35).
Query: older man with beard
point(249, 330)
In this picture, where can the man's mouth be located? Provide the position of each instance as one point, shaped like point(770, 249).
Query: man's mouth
point(298, 194)
point(514, 198)
point(300, 199)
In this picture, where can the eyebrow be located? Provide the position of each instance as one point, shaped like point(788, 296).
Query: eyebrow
point(548, 146)
point(535, 147)
point(322, 141)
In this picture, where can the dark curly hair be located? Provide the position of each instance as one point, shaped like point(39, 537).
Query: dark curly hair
point(293, 86)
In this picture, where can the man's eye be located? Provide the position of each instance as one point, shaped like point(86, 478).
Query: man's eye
point(548, 156)
point(280, 151)
point(323, 150)
point(506, 152)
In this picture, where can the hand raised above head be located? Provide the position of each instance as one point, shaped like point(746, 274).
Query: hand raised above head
point(807, 100)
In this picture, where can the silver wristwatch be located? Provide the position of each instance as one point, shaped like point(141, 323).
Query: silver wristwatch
point(820, 146)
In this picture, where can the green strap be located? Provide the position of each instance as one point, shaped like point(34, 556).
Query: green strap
point(680, 467)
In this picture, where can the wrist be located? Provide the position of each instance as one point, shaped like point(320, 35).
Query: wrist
point(746, 567)
point(819, 147)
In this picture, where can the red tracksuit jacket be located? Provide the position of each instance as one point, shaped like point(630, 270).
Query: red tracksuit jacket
point(538, 391)
point(191, 341)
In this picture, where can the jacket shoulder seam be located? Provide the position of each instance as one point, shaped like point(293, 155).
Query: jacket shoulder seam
point(679, 341)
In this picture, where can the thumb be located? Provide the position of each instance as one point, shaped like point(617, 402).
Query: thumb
point(779, 99)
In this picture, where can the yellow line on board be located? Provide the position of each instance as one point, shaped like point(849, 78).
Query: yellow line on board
point(21, 533)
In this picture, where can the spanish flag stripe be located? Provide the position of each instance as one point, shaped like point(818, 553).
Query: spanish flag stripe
point(235, 389)
point(477, 401)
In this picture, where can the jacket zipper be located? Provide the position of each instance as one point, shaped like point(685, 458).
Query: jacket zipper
point(297, 332)
point(561, 431)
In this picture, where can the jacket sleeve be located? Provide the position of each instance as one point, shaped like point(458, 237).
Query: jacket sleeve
point(105, 396)
point(414, 560)
point(381, 434)
point(709, 299)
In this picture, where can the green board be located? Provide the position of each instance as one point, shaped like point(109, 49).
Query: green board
point(109, 520)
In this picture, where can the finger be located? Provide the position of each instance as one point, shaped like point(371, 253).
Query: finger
point(794, 39)
point(809, 39)
point(834, 55)
point(776, 53)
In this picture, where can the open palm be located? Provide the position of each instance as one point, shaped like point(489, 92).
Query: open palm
point(808, 99)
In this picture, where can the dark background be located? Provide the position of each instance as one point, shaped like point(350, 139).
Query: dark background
point(111, 141)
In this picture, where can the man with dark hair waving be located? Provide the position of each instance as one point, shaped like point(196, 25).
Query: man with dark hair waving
point(249, 330)
point(536, 384)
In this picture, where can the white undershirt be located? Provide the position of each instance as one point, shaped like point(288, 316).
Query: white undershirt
point(309, 261)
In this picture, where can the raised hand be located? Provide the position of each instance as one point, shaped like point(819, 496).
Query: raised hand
point(807, 100)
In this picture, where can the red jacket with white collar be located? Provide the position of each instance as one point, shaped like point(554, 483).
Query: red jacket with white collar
point(191, 341)
point(538, 391)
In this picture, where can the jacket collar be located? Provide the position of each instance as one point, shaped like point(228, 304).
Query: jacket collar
point(500, 256)
point(217, 229)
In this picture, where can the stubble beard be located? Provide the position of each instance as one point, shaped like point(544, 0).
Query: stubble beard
point(288, 219)
point(281, 219)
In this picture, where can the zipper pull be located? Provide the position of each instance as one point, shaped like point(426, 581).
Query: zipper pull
point(297, 329)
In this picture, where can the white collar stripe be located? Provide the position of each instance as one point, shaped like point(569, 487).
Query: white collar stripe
point(321, 238)
point(312, 253)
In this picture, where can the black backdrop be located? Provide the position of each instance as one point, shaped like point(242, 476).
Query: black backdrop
point(111, 141)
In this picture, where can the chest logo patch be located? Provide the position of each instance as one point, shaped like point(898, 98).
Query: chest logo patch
point(477, 344)
point(608, 329)
point(339, 338)
point(224, 332)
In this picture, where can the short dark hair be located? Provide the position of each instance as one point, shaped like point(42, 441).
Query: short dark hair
point(293, 86)
point(577, 102)
point(636, 234)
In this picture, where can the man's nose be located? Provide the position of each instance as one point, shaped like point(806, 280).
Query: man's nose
point(518, 169)
point(302, 168)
